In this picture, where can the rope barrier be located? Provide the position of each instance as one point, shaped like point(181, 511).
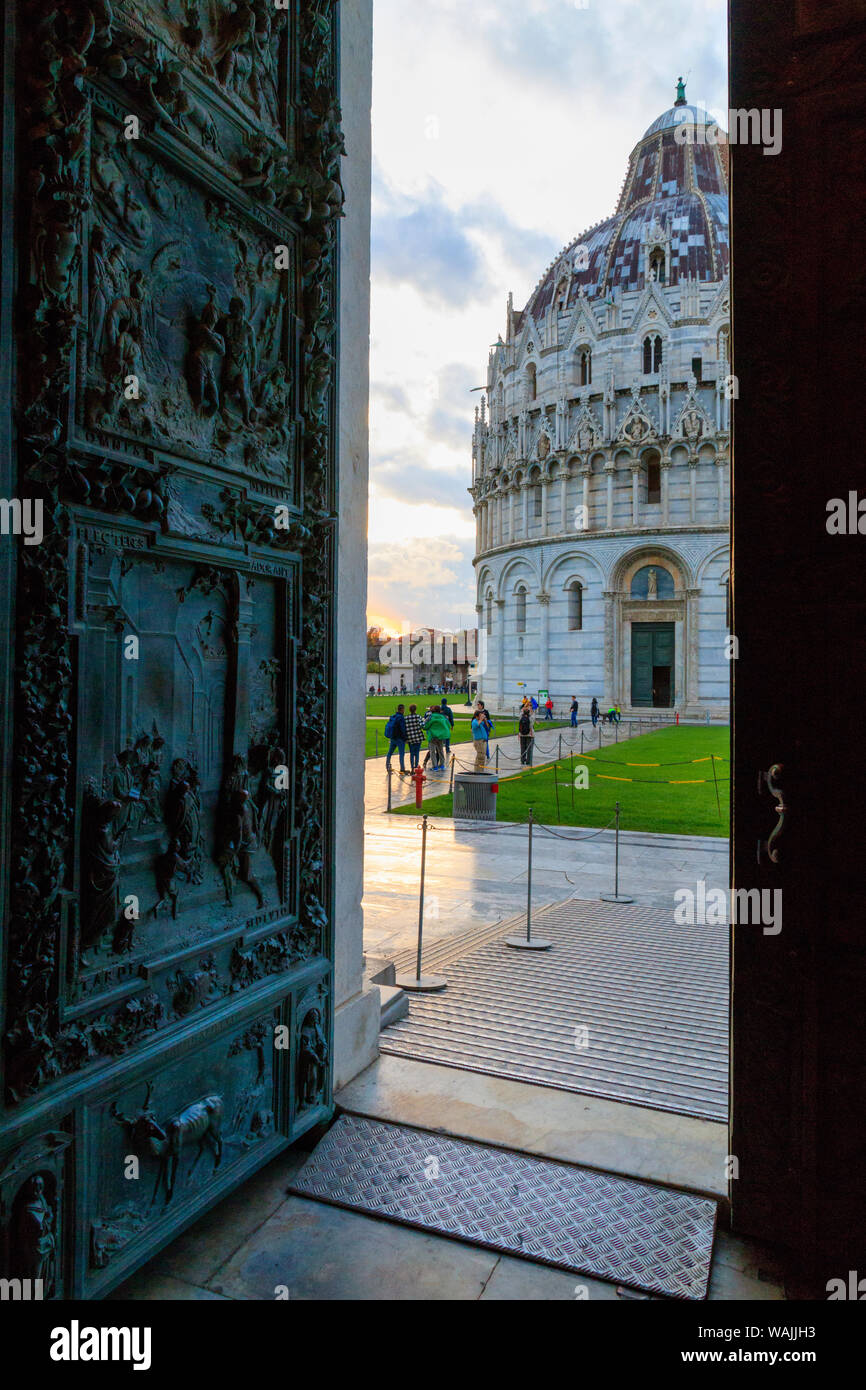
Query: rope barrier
point(687, 762)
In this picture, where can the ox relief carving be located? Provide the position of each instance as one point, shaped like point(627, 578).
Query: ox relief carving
point(197, 1127)
point(165, 1140)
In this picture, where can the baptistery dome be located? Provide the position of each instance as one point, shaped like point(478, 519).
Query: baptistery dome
point(601, 448)
point(679, 188)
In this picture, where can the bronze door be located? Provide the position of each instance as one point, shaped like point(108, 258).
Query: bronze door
point(799, 994)
point(172, 178)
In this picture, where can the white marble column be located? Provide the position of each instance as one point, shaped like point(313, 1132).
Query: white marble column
point(610, 597)
point(545, 508)
point(511, 514)
point(692, 653)
point(524, 488)
point(609, 470)
point(720, 478)
point(544, 653)
point(563, 501)
point(584, 478)
point(693, 490)
point(666, 491)
point(635, 494)
point(500, 649)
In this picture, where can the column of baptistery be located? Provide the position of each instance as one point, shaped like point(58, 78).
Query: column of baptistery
point(635, 492)
point(524, 488)
point(584, 497)
point(563, 499)
point(722, 487)
point(500, 651)
point(544, 653)
point(666, 490)
point(609, 470)
point(693, 489)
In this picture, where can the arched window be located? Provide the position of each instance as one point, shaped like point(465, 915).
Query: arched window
point(531, 382)
point(653, 479)
point(657, 265)
point(652, 354)
point(537, 501)
point(575, 606)
point(489, 611)
point(724, 344)
point(521, 609)
point(585, 362)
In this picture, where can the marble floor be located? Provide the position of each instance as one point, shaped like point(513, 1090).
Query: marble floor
point(264, 1243)
point(478, 877)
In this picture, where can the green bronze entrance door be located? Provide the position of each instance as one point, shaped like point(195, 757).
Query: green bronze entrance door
point(652, 664)
point(166, 894)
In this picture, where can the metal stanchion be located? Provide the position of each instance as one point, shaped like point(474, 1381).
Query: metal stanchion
point(560, 745)
point(581, 740)
point(421, 984)
point(617, 731)
point(497, 758)
point(572, 778)
point(389, 788)
point(600, 721)
point(453, 761)
point(616, 896)
point(526, 943)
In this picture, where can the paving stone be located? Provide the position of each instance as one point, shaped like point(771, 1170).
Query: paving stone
point(321, 1252)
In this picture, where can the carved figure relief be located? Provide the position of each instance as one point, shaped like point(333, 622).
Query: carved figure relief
point(312, 1060)
point(196, 362)
point(34, 1242)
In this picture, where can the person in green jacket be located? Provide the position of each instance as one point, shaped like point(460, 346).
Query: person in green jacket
point(438, 730)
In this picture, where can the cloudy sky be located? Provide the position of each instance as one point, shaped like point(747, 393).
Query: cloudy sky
point(501, 130)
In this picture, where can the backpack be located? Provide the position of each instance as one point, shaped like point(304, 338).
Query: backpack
point(390, 726)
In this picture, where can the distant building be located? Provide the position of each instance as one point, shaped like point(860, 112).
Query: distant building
point(425, 657)
point(600, 479)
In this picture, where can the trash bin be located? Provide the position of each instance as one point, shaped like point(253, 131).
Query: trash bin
point(475, 795)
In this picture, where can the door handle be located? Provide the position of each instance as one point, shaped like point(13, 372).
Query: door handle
point(769, 848)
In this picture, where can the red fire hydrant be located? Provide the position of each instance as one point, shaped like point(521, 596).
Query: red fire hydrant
point(420, 779)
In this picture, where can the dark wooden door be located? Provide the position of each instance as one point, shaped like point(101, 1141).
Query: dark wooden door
point(799, 996)
point(652, 653)
point(171, 176)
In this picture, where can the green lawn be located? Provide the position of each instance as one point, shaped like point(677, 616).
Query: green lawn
point(676, 799)
point(386, 704)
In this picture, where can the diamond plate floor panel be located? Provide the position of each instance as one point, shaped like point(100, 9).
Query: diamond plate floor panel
point(592, 1223)
point(626, 1005)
